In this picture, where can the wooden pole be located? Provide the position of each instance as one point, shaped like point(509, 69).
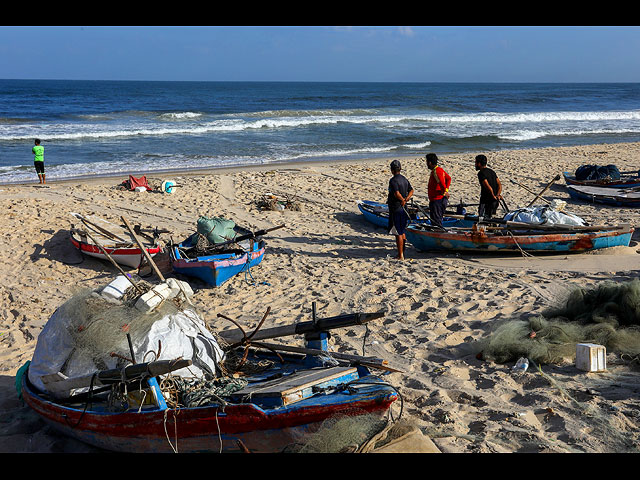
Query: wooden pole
point(530, 191)
point(555, 179)
point(144, 250)
point(372, 362)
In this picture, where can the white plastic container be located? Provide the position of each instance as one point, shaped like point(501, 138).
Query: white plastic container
point(115, 290)
point(591, 357)
point(140, 189)
point(154, 297)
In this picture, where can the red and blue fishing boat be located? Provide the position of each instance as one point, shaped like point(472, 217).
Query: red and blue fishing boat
point(226, 260)
point(275, 410)
point(518, 237)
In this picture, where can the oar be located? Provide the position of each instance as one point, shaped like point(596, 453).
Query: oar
point(555, 179)
point(530, 191)
point(102, 230)
point(143, 249)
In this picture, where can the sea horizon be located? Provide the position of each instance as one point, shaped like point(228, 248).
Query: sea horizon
point(112, 127)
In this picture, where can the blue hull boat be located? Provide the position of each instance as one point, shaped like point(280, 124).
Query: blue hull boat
point(378, 214)
point(456, 240)
point(217, 268)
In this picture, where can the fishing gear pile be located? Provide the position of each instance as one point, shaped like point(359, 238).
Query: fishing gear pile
point(93, 331)
point(271, 202)
point(607, 315)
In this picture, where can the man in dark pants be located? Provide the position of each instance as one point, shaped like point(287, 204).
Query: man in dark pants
point(437, 189)
point(400, 191)
point(490, 188)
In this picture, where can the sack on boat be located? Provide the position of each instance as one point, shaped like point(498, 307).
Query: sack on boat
point(88, 333)
point(543, 215)
point(597, 172)
point(216, 229)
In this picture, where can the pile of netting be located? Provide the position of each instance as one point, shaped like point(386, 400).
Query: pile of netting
point(271, 202)
point(607, 315)
point(89, 333)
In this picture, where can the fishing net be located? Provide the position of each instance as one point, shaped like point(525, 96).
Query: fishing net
point(89, 333)
point(271, 202)
point(607, 315)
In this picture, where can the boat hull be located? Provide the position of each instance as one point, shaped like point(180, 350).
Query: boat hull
point(129, 256)
point(210, 428)
point(377, 214)
point(605, 196)
point(550, 243)
point(216, 269)
point(620, 183)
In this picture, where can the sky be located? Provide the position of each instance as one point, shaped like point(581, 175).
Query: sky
point(319, 53)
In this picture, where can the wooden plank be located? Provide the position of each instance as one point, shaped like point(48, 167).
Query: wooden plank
point(291, 388)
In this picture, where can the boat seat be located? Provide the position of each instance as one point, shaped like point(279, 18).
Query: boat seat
point(294, 387)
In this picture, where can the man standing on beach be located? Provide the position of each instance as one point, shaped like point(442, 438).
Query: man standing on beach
point(490, 188)
point(437, 189)
point(400, 191)
point(38, 160)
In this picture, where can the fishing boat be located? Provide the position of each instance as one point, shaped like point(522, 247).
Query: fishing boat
point(284, 395)
point(622, 182)
point(620, 197)
point(519, 237)
point(98, 237)
point(219, 262)
point(378, 214)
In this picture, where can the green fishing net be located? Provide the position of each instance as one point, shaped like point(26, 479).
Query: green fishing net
point(608, 315)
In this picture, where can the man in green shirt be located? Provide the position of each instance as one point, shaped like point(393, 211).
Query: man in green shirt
point(38, 160)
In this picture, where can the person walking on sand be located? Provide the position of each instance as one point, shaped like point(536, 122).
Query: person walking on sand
point(437, 189)
point(400, 191)
point(38, 160)
point(490, 188)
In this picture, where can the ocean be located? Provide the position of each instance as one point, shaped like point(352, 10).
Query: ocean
point(139, 127)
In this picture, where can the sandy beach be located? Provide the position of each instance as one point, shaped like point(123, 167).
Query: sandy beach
point(436, 305)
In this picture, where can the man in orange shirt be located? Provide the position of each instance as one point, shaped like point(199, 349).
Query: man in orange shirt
point(438, 189)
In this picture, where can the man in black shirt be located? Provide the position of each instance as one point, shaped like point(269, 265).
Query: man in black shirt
point(400, 191)
point(490, 188)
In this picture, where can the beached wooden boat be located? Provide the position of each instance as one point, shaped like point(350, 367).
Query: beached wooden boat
point(620, 197)
point(276, 409)
point(519, 237)
point(98, 237)
point(625, 181)
point(378, 214)
point(224, 262)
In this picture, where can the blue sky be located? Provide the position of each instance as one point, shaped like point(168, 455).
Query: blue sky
point(316, 53)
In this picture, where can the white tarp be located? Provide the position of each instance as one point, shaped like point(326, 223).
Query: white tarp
point(543, 215)
point(175, 335)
